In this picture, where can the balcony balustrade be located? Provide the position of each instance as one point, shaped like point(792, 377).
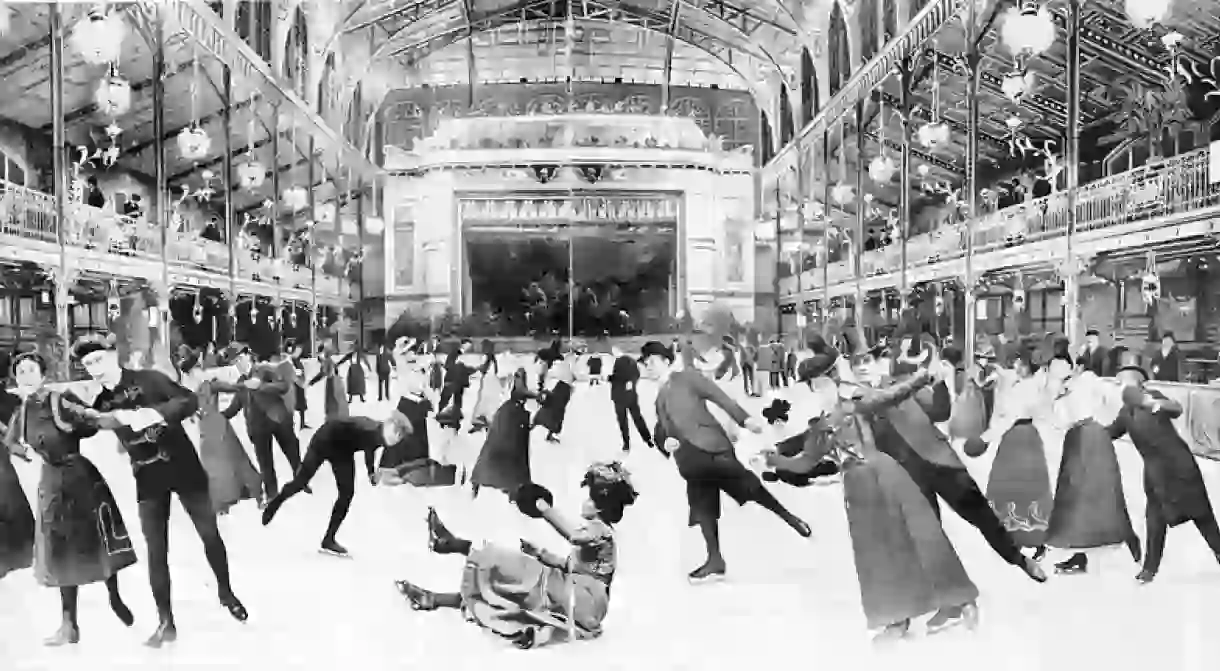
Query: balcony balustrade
point(569, 138)
point(27, 214)
point(1175, 186)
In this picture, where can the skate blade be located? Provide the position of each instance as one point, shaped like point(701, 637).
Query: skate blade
point(707, 580)
point(332, 553)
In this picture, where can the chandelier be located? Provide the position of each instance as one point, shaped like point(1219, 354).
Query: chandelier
point(1029, 29)
point(374, 225)
point(1016, 84)
point(1145, 14)
point(251, 175)
point(295, 198)
point(882, 169)
point(113, 95)
point(194, 143)
point(98, 38)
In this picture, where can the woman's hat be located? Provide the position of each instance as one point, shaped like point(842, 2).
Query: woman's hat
point(656, 348)
point(93, 342)
point(817, 365)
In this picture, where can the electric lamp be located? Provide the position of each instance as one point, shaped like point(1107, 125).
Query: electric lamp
point(98, 38)
point(113, 96)
point(374, 225)
point(194, 143)
point(253, 314)
point(843, 194)
point(1028, 30)
point(295, 198)
point(881, 169)
point(251, 175)
point(1016, 84)
point(933, 135)
point(1146, 13)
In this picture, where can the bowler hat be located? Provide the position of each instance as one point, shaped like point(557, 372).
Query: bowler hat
point(1131, 361)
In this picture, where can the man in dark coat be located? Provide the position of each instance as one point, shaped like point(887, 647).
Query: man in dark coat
point(1173, 483)
point(268, 418)
point(1167, 362)
point(165, 463)
point(385, 366)
point(623, 379)
point(457, 378)
point(704, 453)
point(1094, 356)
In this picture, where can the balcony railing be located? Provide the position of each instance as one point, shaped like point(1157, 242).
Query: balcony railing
point(1173, 186)
point(29, 214)
point(208, 255)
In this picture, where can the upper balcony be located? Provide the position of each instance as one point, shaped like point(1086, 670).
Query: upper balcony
point(98, 239)
point(560, 139)
point(1118, 212)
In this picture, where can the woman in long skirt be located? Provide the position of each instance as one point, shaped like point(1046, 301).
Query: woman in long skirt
point(81, 538)
point(550, 416)
point(1090, 509)
point(490, 390)
point(355, 374)
point(232, 478)
point(16, 518)
point(530, 596)
point(335, 396)
point(904, 561)
point(1019, 486)
point(503, 464)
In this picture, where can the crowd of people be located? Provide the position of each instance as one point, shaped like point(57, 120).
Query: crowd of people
point(895, 422)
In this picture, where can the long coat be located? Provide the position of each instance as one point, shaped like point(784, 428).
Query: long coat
point(1172, 479)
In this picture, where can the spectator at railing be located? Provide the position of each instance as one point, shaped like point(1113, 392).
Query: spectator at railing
point(93, 193)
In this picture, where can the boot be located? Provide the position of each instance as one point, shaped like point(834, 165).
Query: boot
point(166, 632)
point(1077, 563)
point(712, 570)
point(68, 634)
point(893, 633)
point(441, 540)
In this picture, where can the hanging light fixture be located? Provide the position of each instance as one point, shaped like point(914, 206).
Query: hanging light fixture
point(194, 143)
point(1028, 29)
point(295, 198)
point(113, 95)
point(98, 37)
point(251, 175)
point(1016, 84)
point(1145, 14)
point(374, 225)
point(882, 168)
point(936, 132)
point(842, 193)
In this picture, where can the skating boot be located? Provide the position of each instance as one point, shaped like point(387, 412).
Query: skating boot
point(331, 547)
point(711, 571)
point(68, 634)
point(1077, 563)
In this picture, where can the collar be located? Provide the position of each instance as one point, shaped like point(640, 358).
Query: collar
point(124, 375)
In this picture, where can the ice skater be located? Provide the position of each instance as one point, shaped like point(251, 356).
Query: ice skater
point(337, 442)
point(704, 453)
point(260, 392)
point(145, 409)
point(624, 377)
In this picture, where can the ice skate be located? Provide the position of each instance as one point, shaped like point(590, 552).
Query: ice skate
point(68, 634)
point(710, 572)
point(332, 548)
point(1077, 563)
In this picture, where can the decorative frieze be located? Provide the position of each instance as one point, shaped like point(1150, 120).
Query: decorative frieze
point(608, 209)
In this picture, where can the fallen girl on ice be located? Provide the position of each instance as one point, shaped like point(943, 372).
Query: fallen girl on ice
point(532, 596)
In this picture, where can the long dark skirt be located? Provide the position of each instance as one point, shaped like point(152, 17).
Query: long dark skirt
point(504, 461)
point(231, 475)
point(336, 398)
point(81, 535)
point(1090, 510)
point(16, 520)
point(550, 416)
point(355, 379)
point(906, 565)
point(1020, 485)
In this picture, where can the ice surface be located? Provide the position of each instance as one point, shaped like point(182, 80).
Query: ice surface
point(787, 601)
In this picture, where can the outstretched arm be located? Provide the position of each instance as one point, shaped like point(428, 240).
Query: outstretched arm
point(180, 402)
point(710, 391)
point(880, 399)
point(1163, 405)
point(815, 449)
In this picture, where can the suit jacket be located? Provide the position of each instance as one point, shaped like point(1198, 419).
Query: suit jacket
point(1097, 361)
point(264, 406)
point(905, 430)
point(682, 412)
point(624, 377)
point(1167, 368)
point(385, 363)
point(288, 372)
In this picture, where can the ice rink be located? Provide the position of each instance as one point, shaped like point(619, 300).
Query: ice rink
point(788, 601)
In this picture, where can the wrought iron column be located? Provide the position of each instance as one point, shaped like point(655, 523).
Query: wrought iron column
point(315, 319)
point(906, 104)
point(973, 61)
point(779, 254)
point(800, 247)
point(857, 246)
point(1071, 279)
point(159, 174)
point(59, 178)
point(363, 260)
point(273, 214)
point(826, 221)
point(226, 178)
